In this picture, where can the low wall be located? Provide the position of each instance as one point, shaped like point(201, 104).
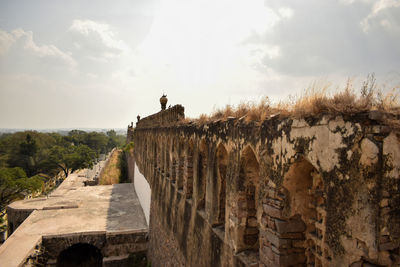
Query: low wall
point(142, 187)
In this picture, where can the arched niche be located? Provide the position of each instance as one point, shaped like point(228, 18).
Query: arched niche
point(248, 230)
point(305, 198)
point(174, 160)
point(221, 173)
point(202, 174)
point(180, 163)
point(80, 255)
point(167, 150)
point(188, 169)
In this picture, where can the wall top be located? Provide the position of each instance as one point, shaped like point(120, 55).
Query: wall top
point(164, 117)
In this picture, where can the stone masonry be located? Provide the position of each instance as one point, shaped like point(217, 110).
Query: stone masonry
point(315, 191)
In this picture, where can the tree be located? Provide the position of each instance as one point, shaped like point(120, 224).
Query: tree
point(14, 184)
point(71, 158)
point(97, 142)
point(27, 151)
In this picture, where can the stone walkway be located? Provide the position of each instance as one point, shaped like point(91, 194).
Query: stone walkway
point(73, 208)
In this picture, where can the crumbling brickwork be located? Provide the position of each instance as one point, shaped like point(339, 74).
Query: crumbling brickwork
point(317, 191)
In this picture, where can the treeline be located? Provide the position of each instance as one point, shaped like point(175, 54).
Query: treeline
point(28, 158)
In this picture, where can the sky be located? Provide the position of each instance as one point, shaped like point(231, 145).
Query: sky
point(100, 63)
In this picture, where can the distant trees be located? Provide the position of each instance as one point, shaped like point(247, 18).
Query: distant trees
point(26, 158)
point(48, 153)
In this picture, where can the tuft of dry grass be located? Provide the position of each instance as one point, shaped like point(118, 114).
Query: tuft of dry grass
point(111, 172)
point(315, 100)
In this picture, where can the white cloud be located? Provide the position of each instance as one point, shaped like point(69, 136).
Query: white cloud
point(376, 10)
point(41, 51)
point(6, 41)
point(97, 39)
point(285, 12)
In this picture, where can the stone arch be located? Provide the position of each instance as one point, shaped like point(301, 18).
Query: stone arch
point(202, 174)
point(180, 163)
point(188, 172)
point(303, 188)
point(248, 187)
point(155, 154)
point(81, 255)
point(162, 155)
point(221, 173)
point(167, 158)
point(174, 160)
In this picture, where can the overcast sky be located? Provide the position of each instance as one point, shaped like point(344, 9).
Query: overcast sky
point(101, 63)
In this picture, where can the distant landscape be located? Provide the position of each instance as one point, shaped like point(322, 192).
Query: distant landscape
point(63, 131)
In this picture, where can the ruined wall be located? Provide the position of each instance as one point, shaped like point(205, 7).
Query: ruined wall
point(116, 248)
point(320, 190)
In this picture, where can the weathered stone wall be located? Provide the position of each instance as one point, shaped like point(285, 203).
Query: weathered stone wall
point(168, 116)
point(116, 248)
point(322, 191)
point(15, 217)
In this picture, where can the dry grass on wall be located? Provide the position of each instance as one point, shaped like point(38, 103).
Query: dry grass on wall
point(111, 172)
point(314, 101)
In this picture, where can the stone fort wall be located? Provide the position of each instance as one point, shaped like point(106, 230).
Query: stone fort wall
point(322, 191)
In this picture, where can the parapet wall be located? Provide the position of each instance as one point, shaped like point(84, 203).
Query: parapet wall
point(168, 116)
point(321, 191)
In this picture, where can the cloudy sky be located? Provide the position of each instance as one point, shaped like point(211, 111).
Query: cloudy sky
point(99, 63)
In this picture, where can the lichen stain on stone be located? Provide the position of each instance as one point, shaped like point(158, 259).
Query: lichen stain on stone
point(322, 149)
point(391, 150)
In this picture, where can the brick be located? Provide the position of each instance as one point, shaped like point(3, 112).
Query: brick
point(272, 211)
point(251, 231)
point(290, 260)
point(276, 241)
point(291, 226)
point(292, 235)
point(281, 251)
point(384, 203)
point(384, 239)
point(266, 252)
point(387, 246)
point(298, 243)
point(252, 222)
point(357, 264)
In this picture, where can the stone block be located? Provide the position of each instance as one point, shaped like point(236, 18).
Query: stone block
point(251, 231)
point(387, 246)
point(291, 226)
point(384, 239)
point(357, 264)
point(291, 260)
point(272, 211)
point(266, 252)
point(252, 222)
point(384, 203)
point(298, 243)
point(292, 235)
point(277, 241)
